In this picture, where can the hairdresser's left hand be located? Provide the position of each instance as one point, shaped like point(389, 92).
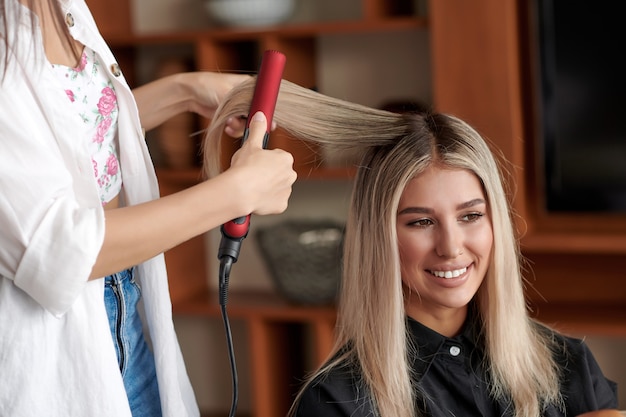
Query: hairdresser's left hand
point(602, 413)
point(199, 92)
point(210, 89)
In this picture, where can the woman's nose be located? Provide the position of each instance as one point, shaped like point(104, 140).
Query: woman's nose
point(449, 242)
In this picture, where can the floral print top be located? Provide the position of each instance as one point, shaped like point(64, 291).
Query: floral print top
point(93, 96)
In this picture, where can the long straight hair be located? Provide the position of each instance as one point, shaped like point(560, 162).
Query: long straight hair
point(11, 14)
point(371, 325)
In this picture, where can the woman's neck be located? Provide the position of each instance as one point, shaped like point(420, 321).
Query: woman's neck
point(445, 321)
point(59, 49)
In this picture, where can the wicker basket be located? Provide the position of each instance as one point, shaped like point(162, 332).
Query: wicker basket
point(304, 259)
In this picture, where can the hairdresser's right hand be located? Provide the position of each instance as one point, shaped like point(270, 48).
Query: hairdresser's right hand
point(266, 176)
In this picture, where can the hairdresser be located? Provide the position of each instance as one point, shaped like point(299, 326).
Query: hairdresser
point(85, 314)
point(432, 319)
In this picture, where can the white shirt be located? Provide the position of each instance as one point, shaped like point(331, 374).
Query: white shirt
point(56, 354)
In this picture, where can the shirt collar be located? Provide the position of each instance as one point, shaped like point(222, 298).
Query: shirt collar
point(425, 343)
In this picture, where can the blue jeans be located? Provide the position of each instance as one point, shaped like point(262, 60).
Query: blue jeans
point(121, 295)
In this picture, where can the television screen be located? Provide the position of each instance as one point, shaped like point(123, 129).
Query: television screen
point(581, 48)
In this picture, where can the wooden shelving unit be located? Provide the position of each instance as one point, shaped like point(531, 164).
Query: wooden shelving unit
point(287, 340)
point(481, 70)
point(228, 49)
point(479, 74)
point(278, 332)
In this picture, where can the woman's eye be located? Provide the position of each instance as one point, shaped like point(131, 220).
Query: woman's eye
point(421, 222)
point(471, 217)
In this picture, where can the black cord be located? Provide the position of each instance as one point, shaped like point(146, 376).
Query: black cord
point(225, 265)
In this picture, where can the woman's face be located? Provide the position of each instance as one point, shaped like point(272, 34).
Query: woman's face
point(445, 239)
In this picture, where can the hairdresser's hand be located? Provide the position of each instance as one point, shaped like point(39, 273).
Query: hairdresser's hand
point(199, 92)
point(209, 89)
point(266, 175)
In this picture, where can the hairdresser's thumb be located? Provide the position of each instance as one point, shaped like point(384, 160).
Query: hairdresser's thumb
point(258, 128)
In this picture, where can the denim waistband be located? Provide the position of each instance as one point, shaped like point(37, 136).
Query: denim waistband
point(119, 277)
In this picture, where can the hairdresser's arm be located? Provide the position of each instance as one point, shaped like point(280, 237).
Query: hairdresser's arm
point(198, 92)
point(259, 181)
point(602, 413)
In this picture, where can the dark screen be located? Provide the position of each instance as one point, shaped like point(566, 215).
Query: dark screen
point(582, 61)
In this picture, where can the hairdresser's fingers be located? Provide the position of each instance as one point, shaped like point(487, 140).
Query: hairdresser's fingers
point(258, 127)
point(235, 127)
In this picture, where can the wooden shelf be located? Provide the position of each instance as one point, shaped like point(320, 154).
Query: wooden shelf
point(305, 30)
point(575, 243)
point(252, 304)
point(577, 263)
point(584, 320)
point(278, 332)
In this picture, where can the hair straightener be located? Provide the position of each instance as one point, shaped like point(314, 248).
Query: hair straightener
point(235, 231)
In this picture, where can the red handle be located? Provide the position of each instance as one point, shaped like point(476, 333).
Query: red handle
point(267, 86)
point(264, 100)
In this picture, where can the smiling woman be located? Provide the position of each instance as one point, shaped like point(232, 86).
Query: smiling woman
point(432, 316)
point(445, 239)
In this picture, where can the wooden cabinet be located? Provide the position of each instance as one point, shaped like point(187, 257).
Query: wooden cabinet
point(481, 72)
point(240, 50)
point(286, 340)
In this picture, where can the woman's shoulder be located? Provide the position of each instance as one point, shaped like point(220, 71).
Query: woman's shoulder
point(335, 391)
point(565, 347)
point(582, 378)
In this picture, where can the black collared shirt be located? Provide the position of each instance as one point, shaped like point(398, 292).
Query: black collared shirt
point(450, 380)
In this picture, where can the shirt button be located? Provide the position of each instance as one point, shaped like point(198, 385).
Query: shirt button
point(455, 350)
point(115, 70)
point(69, 20)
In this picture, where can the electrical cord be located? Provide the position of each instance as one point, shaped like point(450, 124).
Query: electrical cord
point(226, 263)
point(233, 232)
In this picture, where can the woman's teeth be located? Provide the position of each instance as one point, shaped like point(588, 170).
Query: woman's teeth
point(449, 274)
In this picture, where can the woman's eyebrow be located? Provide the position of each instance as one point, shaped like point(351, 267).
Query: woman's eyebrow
point(426, 210)
point(471, 203)
point(420, 210)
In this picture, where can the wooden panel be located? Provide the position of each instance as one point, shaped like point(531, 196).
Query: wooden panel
point(477, 72)
point(300, 53)
point(584, 278)
point(324, 337)
point(278, 344)
point(186, 263)
point(589, 320)
point(381, 9)
point(112, 16)
point(271, 370)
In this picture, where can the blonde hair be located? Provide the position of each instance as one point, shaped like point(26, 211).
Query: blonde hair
point(371, 327)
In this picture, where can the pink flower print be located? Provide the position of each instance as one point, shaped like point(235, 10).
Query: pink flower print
point(95, 167)
point(107, 102)
point(102, 129)
point(103, 181)
point(112, 165)
point(83, 63)
point(70, 95)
